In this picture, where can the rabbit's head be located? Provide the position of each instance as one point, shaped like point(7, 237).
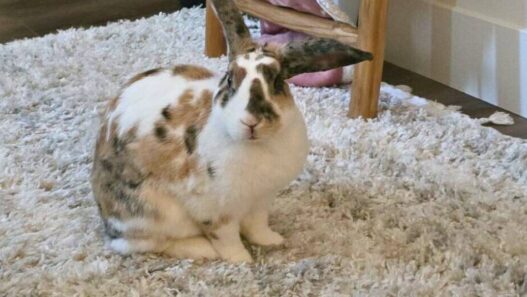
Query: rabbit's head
point(253, 98)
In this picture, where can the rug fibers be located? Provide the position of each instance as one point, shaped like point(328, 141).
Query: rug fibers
point(422, 201)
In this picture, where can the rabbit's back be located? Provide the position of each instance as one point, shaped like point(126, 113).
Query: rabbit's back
point(147, 143)
point(176, 95)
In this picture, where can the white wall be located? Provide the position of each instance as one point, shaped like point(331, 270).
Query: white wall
point(512, 12)
point(476, 46)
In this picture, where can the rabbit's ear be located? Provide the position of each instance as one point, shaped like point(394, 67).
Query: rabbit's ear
point(318, 54)
point(236, 33)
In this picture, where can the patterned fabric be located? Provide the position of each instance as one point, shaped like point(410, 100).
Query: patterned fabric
point(331, 8)
point(340, 10)
point(309, 6)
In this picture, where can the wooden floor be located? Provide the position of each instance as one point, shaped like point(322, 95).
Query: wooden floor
point(430, 89)
point(29, 18)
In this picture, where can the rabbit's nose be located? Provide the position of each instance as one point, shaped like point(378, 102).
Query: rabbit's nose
point(251, 122)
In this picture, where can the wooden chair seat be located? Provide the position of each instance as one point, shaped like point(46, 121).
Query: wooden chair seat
point(370, 36)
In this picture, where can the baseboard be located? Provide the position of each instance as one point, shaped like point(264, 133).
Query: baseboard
point(483, 56)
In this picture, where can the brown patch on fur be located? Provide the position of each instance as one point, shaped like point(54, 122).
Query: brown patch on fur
point(238, 75)
point(278, 87)
point(192, 72)
point(229, 83)
point(124, 165)
point(246, 46)
point(222, 97)
point(258, 106)
point(191, 110)
point(166, 113)
point(190, 139)
point(162, 160)
point(115, 178)
point(271, 51)
point(160, 132)
point(271, 75)
point(113, 103)
point(142, 75)
point(173, 158)
point(185, 111)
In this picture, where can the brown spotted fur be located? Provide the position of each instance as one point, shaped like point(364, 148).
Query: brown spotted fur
point(238, 74)
point(192, 72)
point(128, 170)
point(142, 75)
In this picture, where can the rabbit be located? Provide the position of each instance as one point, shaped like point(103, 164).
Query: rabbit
point(186, 160)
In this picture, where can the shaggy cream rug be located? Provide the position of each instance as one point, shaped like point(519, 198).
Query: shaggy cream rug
point(422, 201)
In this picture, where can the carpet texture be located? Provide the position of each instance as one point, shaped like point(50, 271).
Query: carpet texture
point(422, 201)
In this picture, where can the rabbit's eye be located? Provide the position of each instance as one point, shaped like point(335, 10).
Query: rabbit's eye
point(272, 77)
point(230, 85)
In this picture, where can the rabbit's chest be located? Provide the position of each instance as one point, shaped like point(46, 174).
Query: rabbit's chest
point(246, 176)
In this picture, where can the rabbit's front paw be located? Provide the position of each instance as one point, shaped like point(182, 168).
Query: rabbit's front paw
point(265, 237)
point(241, 256)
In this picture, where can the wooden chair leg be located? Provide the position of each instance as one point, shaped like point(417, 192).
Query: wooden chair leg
point(367, 78)
point(215, 45)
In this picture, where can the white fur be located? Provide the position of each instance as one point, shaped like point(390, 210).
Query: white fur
point(141, 103)
point(125, 246)
point(120, 245)
point(249, 174)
